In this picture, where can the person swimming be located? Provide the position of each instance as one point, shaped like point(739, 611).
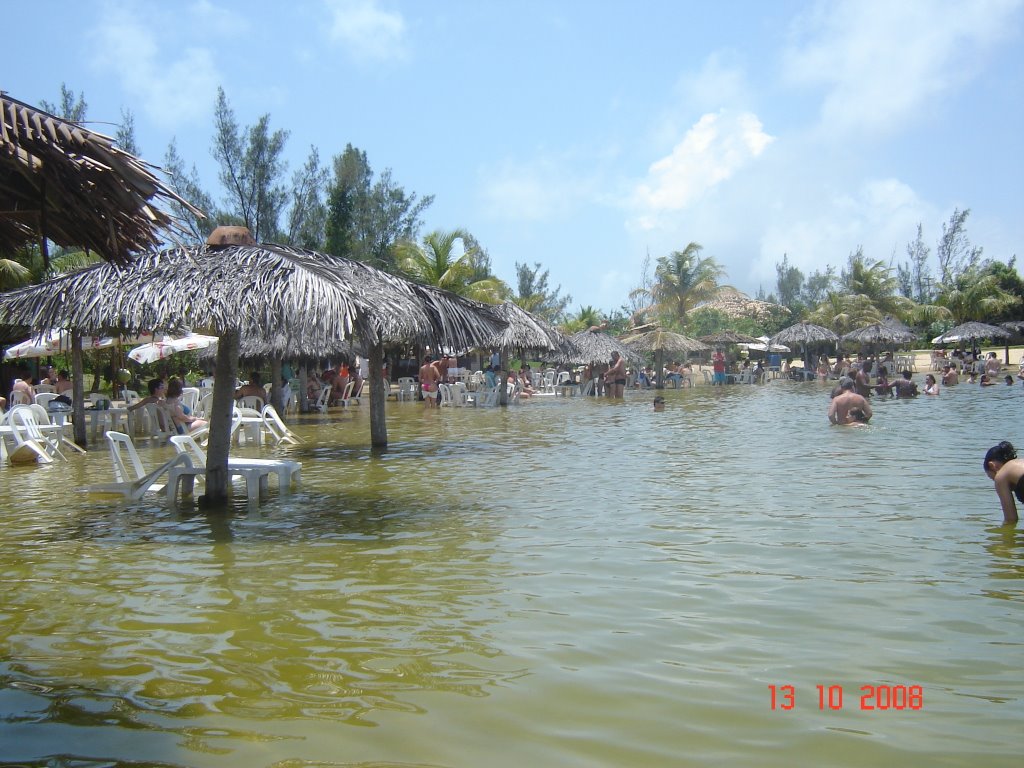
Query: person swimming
point(1007, 472)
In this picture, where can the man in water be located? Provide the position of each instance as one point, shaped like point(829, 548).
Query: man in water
point(848, 407)
point(429, 379)
point(949, 376)
point(659, 403)
point(718, 365)
point(904, 387)
point(615, 377)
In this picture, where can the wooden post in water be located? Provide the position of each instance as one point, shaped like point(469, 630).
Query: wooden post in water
point(378, 397)
point(78, 388)
point(224, 376)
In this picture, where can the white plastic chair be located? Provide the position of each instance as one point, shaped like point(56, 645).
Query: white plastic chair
point(130, 477)
point(459, 394)
point(20, 397)
point(30, 444)
point(158, 424)
point(276, 428)
point(190, 398)
point(130, 396)
point(44, 398)
point(45, 388)
point(407, 388)
point(252, 401)
point(444, 394)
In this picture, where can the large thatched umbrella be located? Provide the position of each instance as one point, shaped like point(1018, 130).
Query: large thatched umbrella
point(597, 346)
point(67, 184)
point(659, 341)
point(64, 183)
point(239, 291)
point(804, 334)
point(972, 331)
point(880, 333)
point(527, 331)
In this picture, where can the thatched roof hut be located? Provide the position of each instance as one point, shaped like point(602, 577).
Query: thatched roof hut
point(736, 304)
point(62, 182)
point(803, 334)
point(880, 333)
point(729, 337)
point(663, 340)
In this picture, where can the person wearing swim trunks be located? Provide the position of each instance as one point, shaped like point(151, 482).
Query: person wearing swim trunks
point(429, 379)
point(615, 377)
point(1007, 472)
point(848, 407)
point(718, 365)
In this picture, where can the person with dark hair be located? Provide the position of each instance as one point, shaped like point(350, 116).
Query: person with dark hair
point(847, 406)
point(659, 403)
point(184, 421)
point(157, 393)
point(905, 387)
point(1007, 472)
point(931, 386)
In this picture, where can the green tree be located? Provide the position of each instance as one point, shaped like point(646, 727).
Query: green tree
point(682, 280)
point(188, 186)
point(587, 317)
point(251, 169)
point(443, 260)
point(71, 108)
point(307, 214)
point(914, 276)
point(977, 295)
point(366, 219)
point(534, 296)
point(955, 253)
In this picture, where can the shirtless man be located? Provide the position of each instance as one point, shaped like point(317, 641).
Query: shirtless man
point(861, 382)
point(615, 376)
point(839, 412)
point(429, 379)
point(949, 376)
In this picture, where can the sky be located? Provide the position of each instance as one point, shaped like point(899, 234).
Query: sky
point(589, 135)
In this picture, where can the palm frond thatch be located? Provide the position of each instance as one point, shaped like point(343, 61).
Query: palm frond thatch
point(972, 331)
point(596, 346)
point(729, 337)
point(662, 340)
point(803, 333)
point(1016, 327)
point(879, 333)
point(527, 331)
point(77, 185)
point(736, 304)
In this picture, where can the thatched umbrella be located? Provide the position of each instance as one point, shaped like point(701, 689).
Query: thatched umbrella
point(972, 331)
point(239, 291)
point(1016, 328)
point(659, 341)
point(880, 333)
point(527, 331)
point(597, 346)
point(804, 334)
point(62, 182)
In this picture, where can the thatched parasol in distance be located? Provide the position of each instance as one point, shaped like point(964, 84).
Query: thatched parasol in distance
point(597, 346)
point(238, 291)
point(659, 341)
point(880, 333)
point(971, 331)
point(804, 334)
point(62, 182)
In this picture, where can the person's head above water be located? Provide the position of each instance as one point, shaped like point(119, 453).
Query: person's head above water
point(1000, 454)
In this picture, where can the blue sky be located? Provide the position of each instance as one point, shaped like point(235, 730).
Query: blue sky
point(586, 135)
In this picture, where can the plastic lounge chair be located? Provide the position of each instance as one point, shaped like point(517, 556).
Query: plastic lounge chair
point(30, 444)
point(276, 428)
point(130, 478)
point(323, 400)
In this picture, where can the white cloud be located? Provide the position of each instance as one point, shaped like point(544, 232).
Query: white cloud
point(881, 62)
point(547, 187)
point(711, 152)
point(366, 31)
point(171, 91)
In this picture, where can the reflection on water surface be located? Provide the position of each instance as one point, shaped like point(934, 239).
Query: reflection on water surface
point(569, 582)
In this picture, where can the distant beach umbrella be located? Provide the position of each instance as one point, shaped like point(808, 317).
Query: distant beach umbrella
point(972, 331)
point(597, 346)
point(729, 337)
point(527, 331)
point(659, 341)
point(54, 343)
point(169, 345)
point(804, 333)
point(880, 333)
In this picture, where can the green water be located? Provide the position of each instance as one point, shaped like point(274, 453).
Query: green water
point(567, 583)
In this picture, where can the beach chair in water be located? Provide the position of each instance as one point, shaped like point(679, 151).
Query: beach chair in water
point(131, 479)
point(255, 471)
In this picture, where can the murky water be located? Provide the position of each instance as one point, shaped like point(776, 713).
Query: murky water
point(567, 583)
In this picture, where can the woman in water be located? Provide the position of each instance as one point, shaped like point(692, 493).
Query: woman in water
point(931, 386)
point(1007, 472)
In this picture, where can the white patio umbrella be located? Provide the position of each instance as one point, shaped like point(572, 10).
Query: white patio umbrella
point(168, 345)
point(54, 343)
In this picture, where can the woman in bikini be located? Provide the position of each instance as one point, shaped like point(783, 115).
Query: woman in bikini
point(1007, 472)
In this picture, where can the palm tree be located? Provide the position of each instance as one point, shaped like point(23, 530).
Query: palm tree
point(976, 296)
point(437, 262)
point(681, 281)
point(587, 317)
